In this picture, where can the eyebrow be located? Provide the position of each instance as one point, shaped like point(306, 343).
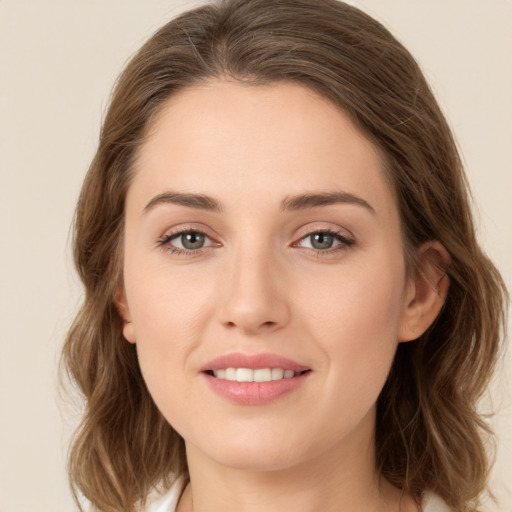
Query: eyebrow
point(197, 201)
point(307, 201)
point(290, 203)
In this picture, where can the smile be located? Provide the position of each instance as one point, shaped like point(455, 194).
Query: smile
point(257, 375)
point(254, 379)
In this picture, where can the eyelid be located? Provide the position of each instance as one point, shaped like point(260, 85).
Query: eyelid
point(324, 227)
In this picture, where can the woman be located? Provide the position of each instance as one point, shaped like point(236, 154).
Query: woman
point(286, 305)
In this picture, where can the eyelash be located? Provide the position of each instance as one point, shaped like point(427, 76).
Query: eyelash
point(165, 242)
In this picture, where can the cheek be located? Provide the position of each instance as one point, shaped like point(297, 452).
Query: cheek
point(168, 320)
point(355, 321)
point(166, 302)
point(168, 316)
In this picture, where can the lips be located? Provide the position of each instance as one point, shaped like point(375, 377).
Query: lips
point(228, 376)
point(254, 362)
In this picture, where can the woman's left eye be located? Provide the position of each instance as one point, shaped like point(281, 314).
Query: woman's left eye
point(324, 241)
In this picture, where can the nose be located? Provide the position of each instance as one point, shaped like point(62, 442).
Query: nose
point(254, 298)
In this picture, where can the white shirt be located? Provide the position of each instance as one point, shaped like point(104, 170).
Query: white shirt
point(169, 501)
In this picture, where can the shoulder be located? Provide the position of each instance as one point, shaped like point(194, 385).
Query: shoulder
point(168, 501)
point(433, 503)
point(160, 503)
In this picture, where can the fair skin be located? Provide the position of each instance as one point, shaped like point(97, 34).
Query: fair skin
point(321, 282)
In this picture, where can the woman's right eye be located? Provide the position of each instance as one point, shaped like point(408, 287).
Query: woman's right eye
point(186, 241)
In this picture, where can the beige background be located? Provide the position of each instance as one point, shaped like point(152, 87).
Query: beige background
point(58, 61)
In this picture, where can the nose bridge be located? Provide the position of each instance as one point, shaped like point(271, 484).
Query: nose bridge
point(254, 298)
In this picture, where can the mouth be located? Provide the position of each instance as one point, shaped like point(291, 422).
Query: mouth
point(254, 375)
point(255, 379)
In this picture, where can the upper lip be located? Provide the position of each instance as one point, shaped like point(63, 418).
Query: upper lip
point(253, 361)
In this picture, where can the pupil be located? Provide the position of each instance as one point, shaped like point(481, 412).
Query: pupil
point(192, 240)
point(322, 240)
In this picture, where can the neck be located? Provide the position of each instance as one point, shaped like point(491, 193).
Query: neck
point(344, 478)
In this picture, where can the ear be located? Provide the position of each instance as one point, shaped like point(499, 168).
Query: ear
point(426, 291)
point(124, 312)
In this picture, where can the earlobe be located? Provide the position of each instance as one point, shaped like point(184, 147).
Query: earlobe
point(426, 292)
point(124, 312)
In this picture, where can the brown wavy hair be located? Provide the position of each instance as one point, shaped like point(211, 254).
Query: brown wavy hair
point(429, 434)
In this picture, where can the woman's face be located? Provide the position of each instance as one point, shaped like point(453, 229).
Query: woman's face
point(261, 230)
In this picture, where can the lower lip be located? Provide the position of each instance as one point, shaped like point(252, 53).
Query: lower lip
point(255, 393)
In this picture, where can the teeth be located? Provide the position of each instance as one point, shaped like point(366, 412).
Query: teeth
point(249, 375)
point(277, 373)
point(262, 375)
point(221, 374)
point(230, 374)
point(244, 375)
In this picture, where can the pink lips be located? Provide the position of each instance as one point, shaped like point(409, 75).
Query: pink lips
point(254, 393)
point(254, 361)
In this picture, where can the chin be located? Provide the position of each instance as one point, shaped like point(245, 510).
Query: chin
point(252, 455)
point(257, 462)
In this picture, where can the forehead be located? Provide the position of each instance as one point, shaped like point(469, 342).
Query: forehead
point(226, 138)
